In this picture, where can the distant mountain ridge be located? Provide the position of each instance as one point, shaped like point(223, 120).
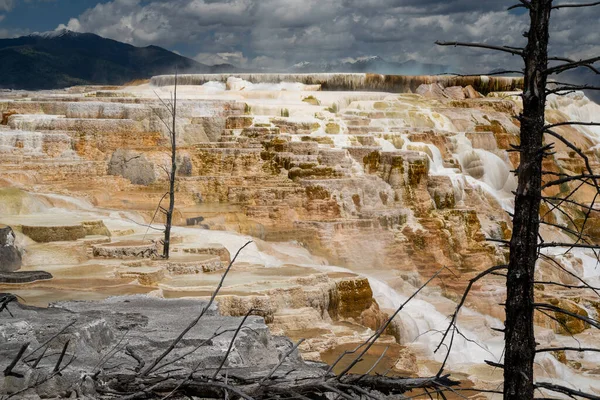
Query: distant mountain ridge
point(65, 58)
point(372, 64)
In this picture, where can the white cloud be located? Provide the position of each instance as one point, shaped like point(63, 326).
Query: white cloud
point(236, 58)
point(282, 32)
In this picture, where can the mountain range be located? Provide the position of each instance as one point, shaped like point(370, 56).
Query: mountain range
point(64, 58)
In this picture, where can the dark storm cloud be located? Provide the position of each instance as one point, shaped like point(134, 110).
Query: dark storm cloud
point(282, 32)
point(427, 6)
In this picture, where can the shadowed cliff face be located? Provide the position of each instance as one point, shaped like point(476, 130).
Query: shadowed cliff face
point(353, 198)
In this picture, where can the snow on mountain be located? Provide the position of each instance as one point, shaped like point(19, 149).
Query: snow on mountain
point(56, 34)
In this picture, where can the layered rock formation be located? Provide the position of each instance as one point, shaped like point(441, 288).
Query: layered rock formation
point(389, 186)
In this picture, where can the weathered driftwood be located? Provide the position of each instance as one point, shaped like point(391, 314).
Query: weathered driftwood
point(284, 387)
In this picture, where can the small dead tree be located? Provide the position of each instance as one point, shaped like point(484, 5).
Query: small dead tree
point(172, 174)
point(171, 126)
point(527, 245)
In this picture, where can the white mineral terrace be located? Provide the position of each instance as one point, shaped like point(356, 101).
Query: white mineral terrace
point(328, 184)
point(350, 81)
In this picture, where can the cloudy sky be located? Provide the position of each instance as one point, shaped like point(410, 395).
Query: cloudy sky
point(279, 33)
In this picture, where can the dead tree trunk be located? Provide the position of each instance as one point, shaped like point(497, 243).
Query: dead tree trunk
point(526, 243)
point(519, 331)
point(172, 174)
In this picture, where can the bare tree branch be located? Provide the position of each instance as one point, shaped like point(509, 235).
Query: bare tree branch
point(5, 301)
point(573, 245)
point(464, 298)
point(559, 6)
point(563, 90)
point(557, 265)
point(506, 49)
point(172, 175)
point(578, 349)
point(202, 344)
point(38, 383)
point(571, 64)
point(151, 367)
point(550, 307)
point(60, 358)
point(568, 179)
point(565, 285)
point(270, 374)
point(548, 128)
point(130, 351)
point(387, 323)
point(377, 362)
point(565, 390)
point(232, 342)
point(8, 371)
point(51, 339)
point(37, 361)
point(524, 4)
point(158, 207)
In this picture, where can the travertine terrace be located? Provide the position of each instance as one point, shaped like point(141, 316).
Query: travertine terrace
point(353, 199)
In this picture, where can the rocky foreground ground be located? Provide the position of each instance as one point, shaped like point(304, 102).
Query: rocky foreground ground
point(114, 349)
point(100, 334)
